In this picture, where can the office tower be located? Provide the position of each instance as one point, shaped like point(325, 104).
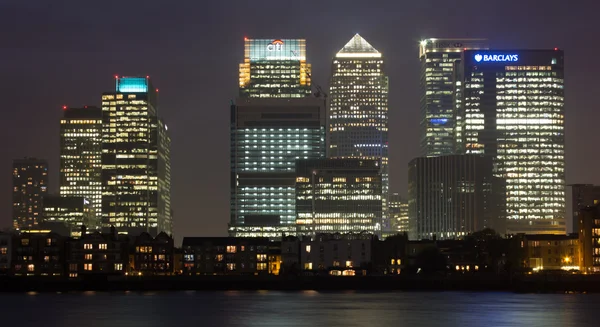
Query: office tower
point(72, 211)
point(589, 238)
point(358, 118)
point(267, 137)
point(440, 92)
point(136, 163)
point(398, 208)
point(513, 109)
point(583, 195)
point(338, 196)
point(81, 156)
point(30, 185)
point(453, 196)
point(275, 69)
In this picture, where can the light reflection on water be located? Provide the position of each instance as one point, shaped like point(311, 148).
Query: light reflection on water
point(306, 308)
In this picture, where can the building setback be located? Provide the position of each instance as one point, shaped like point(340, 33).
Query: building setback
point(30, 185)
point(136, 168)
point(441, 92)
point(81, 156)
point(453, 196)
point(358, 113)
point(267, 137)
point(513, 110)
point(338, 196)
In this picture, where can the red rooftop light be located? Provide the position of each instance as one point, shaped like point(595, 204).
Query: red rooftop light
point(156, 90)
point(64, 107)
point(555, 49)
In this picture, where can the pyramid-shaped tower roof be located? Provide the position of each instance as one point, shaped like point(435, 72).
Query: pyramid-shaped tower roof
point(358, 47)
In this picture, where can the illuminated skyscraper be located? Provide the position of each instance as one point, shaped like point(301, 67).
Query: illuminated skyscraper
point(440, 92)
point(358, 118)
point(30, 185)
point(72, 211)
point(513, 110)
point(136, 164)
point(275, 68)
point(81, 156)
point(274, 122)
point(267, 137)
point(338, 196)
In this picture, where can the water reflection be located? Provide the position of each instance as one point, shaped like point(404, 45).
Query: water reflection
point(307, 308)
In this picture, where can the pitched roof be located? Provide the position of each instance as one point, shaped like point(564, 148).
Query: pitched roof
point(358, 45)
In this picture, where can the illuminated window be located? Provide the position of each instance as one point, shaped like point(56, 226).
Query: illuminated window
point(231, 248)
point(393, 261)
point(308, 248)
point(231, 266)
point(118, 266)
point(87, 246)
point(87, 266)
point(261, 257)
point(103, 246)
point(3, 251)
point(219, 257)
point(25, 242)
point(308, 266)
point(31, 268)
point(348, 263)
point(302, 179)
point(88, 256)
point(261, 266)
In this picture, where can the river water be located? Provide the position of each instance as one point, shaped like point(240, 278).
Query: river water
point(309, 308)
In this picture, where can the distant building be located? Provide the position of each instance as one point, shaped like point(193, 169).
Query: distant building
point(81, 156)
point(551, 252)
point(38, 254)
point(359, 113)
point(47, 227)
point(99, 254)
point(226, 255)
point(337, 254)
point(153, 255)
point(589, 238)
point(513, 110)
point(73, 211)
point(275, 68)
point(136, 160)
point(453, 196)
point(6, 249)
point(398, 209)
point(338, 196)
point(582, 196)
point(267, 137)
point(441, 93)
point(30, 185)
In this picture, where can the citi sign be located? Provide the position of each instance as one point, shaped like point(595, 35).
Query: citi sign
point(276, 45)
point(496, 57)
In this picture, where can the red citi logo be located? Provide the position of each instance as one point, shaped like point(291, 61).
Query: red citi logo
point(276, 45)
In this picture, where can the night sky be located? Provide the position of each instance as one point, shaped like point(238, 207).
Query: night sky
point(66, 52)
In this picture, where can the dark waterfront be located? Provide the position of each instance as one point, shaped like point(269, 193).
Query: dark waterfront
point(308, 308)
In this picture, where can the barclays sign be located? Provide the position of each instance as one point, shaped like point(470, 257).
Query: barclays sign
point(496, 57)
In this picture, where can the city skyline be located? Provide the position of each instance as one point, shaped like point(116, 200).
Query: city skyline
point(182, 113)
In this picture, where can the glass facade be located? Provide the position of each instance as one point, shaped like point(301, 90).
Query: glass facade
point(73, 211)
point(81, 156)
point(452, 196)
point(338, 196)
point(398, 209)
point(440, 92)
point(358, 113)
point(275, 69)
point(30, 185)
point(267, 137)
point(136, 173)
point(513, 109)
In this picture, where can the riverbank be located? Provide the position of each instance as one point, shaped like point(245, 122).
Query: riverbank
point(524, 284)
